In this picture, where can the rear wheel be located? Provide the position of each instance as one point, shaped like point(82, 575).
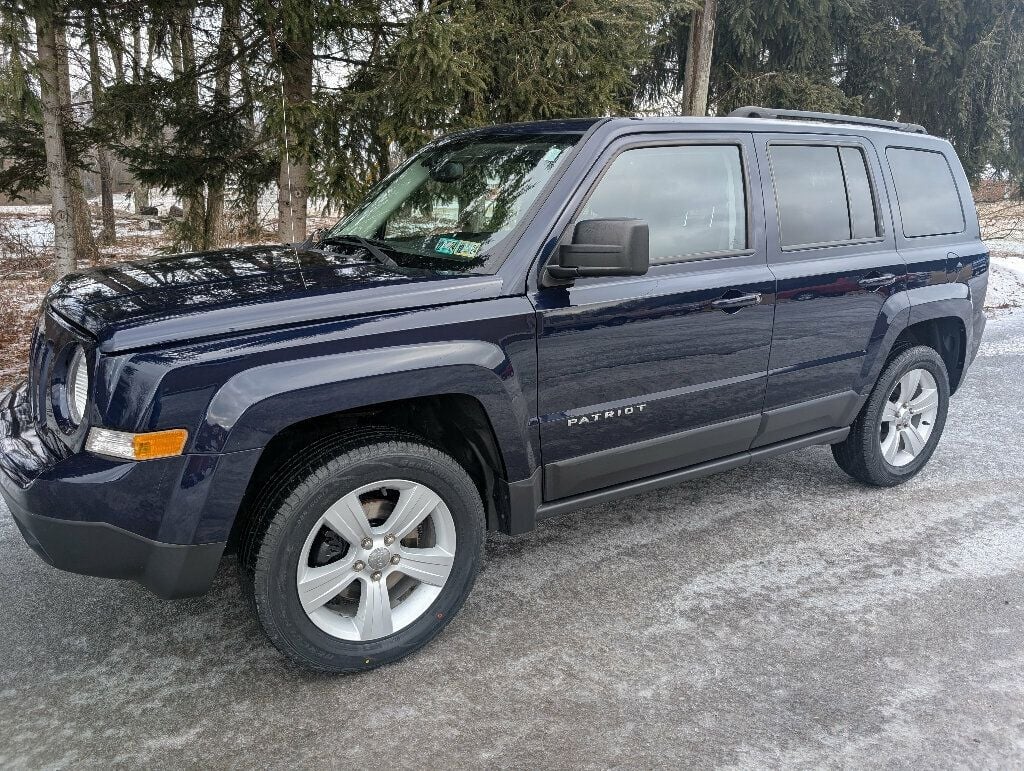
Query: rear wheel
point(900, 425)
point(365, 554)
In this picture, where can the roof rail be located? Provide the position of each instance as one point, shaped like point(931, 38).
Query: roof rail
point(825, 117)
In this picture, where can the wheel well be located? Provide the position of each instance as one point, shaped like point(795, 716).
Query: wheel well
point(454, 423)
point(946, 335)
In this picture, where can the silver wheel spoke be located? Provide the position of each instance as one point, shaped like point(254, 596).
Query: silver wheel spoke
point(889, 412)
point(927, 401)
point(414, 505)
point(913, 441)
point(373, 619)
point(318, 586)
point(347, 519)
point(430, 566)
point(908, 417)
point(891, 445)
point(908, 385)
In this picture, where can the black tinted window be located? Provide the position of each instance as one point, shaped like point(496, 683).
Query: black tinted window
point(858, 193)
point(929, 202)
point(811, 195)
point(823, 194)
point(691, 196)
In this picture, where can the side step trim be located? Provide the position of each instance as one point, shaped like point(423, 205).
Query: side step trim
point(555, 508)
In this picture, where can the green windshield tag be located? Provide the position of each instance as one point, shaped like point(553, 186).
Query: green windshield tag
point(457, 248)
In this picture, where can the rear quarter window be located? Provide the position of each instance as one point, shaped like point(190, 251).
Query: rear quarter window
point(926, 190)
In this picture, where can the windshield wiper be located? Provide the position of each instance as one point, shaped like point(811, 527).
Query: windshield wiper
point(371, 248)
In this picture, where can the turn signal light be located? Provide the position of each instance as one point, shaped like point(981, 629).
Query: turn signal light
point(151, 446)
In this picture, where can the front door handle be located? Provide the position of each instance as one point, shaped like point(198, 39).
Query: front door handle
point(876, 281)
point(729, 304)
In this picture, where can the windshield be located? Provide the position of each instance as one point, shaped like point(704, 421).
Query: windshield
point(453, 204)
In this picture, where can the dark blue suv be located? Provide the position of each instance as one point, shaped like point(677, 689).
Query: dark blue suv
point(521, 320)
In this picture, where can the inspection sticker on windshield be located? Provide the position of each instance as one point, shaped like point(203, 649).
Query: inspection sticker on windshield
point(457, 248)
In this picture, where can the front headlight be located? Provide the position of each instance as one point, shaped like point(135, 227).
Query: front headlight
point(78, 386)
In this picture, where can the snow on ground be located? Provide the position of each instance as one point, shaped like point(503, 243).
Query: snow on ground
point(31, 231)
point(21, 209)
point(1005, 283)
point(1005, 246)
point(36, 232)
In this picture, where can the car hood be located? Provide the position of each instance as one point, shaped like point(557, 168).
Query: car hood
point(189, 296)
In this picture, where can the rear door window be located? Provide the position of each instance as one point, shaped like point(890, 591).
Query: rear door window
point(926, 190)
point(691, 196)
point(823, 193)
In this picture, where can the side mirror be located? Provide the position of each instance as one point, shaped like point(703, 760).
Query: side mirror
point(605, 247)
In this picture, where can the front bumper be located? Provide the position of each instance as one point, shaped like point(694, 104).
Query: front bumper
point(98, 549)
point(62, 505)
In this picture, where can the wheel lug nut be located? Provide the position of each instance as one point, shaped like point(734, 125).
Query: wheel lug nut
point(389, 539)
point(376, 576)
point(367, 543)
point(395, 560)
point(359, 565)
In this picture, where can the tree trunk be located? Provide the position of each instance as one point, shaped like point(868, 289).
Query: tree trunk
point(108, 234)
point(115, 45)
point(295, 54)
point(213, 230)
point(53, 138)
point(140, 197)
point(697, 75)
point(137, 53)
point(81, 218)
point(183, 64)
point(249, 204)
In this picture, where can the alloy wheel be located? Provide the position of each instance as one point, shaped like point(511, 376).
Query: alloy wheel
point(908, 417)
point(376, 560)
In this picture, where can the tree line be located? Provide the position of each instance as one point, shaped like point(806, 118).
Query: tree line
point(221, 102)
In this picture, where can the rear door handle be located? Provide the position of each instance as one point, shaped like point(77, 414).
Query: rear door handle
point(735, 303)
point(875, 281)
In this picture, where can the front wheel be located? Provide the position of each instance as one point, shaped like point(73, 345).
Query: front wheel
point(365, 555)
point(899, 427)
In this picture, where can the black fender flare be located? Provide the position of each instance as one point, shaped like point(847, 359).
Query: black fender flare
point(256, 404)
point(903, 310)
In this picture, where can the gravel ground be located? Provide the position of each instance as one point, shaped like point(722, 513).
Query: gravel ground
point(778, 615)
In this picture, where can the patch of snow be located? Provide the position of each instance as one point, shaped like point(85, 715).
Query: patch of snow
point(1005, 246)
point(33, 232)
point(36, 232)
point(1005, 283)
point(19, 208)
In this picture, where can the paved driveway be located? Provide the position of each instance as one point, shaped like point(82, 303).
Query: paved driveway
point(779, 614)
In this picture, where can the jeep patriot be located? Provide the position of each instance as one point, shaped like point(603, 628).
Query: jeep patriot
point(520, 321)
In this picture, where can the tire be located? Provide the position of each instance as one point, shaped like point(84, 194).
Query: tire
point(294, 545)
point(868, 453)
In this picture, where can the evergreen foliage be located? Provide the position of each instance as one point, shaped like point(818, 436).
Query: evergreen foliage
point(208, 99)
